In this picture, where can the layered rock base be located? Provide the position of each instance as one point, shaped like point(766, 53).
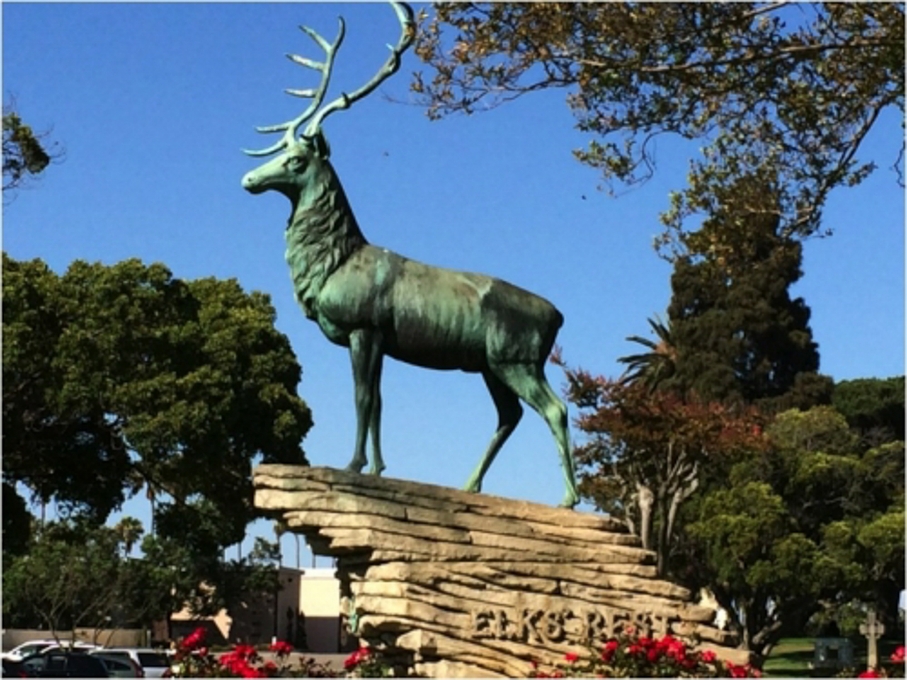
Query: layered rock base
point(456, 584)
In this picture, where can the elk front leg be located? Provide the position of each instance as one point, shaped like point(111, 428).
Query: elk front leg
point(375, 418)
point(365, 356)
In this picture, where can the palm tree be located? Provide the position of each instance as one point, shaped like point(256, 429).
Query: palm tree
point(655, 366)
point(129, 530)
point(280, 528)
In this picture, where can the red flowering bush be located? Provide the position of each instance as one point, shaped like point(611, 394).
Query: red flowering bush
point(646, 657)
point(364, 663)
point(893, 668)
point(193, 660)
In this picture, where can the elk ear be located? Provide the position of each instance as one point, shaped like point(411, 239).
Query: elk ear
point(320, 144)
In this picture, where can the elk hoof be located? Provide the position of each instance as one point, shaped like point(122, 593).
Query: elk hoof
point(376, 470)
point(571, 500)
point(355, 466)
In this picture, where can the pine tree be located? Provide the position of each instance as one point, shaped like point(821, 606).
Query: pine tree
point(738, 334)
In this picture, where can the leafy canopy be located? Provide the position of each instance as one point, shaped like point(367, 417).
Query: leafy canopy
point(768, 88)
point(26, 154)
point(121, 377)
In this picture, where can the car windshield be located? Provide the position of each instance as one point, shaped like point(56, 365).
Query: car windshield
point(153, 660)
point(25, 650)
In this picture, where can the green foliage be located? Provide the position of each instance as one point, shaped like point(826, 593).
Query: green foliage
point(874, 406)
point(648, 450)
point(25, 153)
point(122, 377)
point(736, 332)
point(74, 574)
point(772, 92)
point(16, 523)
point(659, 363)
point(71, 576)
point(810, 523)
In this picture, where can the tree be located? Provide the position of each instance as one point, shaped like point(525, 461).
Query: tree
point(810, 520)
point(26, 154)
point(737, 333)
point(873, 406)
point(16, 523)
point(69, 578)
point(658, 364)
point(791, 90)
point(647, 451)
point(120, 376)
point(128, 530)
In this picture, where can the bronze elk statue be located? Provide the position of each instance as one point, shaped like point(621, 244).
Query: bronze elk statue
point(378, 303)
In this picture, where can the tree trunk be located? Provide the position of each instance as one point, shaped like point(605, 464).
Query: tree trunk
point(645, 499)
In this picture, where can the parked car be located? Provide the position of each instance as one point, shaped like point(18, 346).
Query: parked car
point(153, 662)
point(62, 664)
point(34, 646)
point(13, 669)
point(120, 667)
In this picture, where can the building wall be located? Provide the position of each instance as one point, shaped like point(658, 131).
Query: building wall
point(319, 600)
point(309, 601)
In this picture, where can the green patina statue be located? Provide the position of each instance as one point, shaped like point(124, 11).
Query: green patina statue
point(379, 303)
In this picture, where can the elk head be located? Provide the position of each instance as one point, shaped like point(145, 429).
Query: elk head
point(305, 158)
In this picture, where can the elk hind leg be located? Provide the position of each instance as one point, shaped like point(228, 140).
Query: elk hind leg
point(509, 414)
point(529, 382)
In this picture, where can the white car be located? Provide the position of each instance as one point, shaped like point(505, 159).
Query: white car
point(154, 662)
point(36, 646)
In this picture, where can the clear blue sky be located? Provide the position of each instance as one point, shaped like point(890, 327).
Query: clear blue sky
point(153, 103)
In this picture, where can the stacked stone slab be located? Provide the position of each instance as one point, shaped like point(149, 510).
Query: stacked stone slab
point(472, 585)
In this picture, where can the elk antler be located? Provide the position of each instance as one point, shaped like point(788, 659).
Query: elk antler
point(317, 95)
point(407, 35)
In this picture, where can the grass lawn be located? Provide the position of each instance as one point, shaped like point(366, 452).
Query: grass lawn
point(789, 659)
point(791, 656)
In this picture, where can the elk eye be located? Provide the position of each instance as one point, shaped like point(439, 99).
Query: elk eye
point(295, 163)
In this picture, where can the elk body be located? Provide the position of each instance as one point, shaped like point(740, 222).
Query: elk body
point(377, 303)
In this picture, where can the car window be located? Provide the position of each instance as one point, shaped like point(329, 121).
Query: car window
point(34, 664)
point(115, 664)
point(55, 662)
point(90, 665)
point(153, 660)
point(118, 655)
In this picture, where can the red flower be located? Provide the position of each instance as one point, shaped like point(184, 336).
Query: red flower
point(203, 651)
point(570, 657)
point(653, 654)
point(708, 656)
point(609, 649)
point(869, 674)
point(281, 648)
point(195, 639)
point(898, 655)
point(356, 658)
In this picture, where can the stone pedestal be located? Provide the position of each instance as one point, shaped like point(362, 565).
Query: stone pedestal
point(460, 584)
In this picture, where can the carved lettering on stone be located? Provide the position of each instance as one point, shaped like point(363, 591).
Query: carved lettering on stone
point(582, 627)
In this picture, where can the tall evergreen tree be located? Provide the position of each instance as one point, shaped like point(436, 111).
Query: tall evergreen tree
point(737, 332)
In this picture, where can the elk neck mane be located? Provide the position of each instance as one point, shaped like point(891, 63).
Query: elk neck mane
point(321, 234)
